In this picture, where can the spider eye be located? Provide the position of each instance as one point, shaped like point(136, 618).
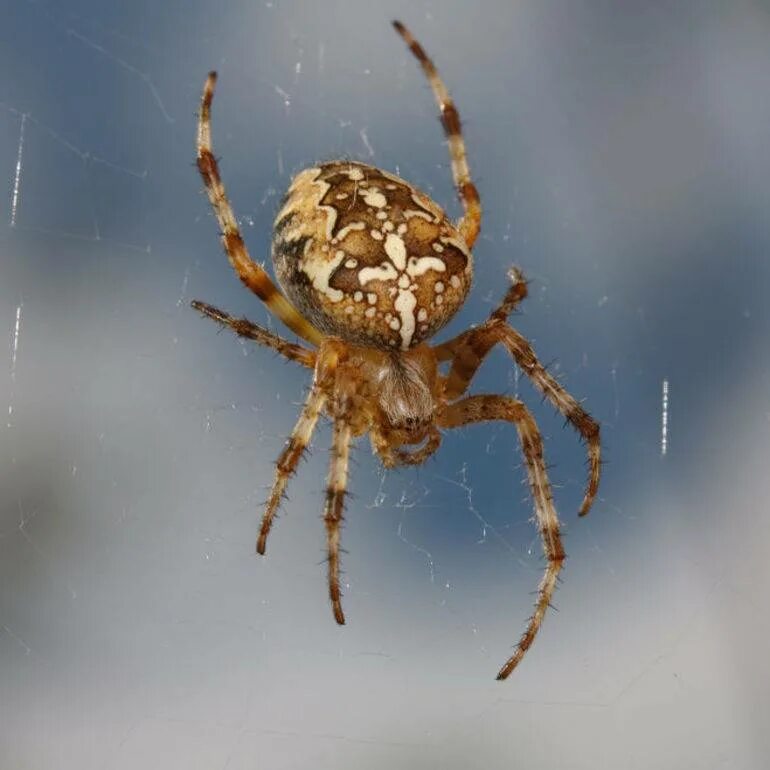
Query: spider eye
point(367, 257)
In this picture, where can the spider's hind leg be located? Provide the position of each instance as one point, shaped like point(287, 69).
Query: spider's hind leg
point(521, 351)
point(467, 351)
point(490, 407)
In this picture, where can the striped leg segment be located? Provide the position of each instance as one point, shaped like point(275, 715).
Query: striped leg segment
point(289, 459)
point(252, 274)
point(334, 509)
point(525, 357)
point(251, 331)
point(462, 373)
point(468, 350)
point(472, 351)
point(470, 224)
point(480, 409)
point(517, 292)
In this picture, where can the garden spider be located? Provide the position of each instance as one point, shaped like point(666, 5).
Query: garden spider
point(372, 268)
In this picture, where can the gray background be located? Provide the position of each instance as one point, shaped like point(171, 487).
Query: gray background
point(621, 154)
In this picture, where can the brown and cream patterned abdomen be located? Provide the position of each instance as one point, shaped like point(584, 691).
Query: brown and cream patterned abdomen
point(367, 257)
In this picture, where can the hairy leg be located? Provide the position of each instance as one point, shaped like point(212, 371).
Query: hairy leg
point(327, 362)
point(252, 274)
point(470, 224)
point(249, 330)
point(482, 408)
point(587, 427)
point(467, 358)
point(334, 509)
point(289, 459)
point(468, 350)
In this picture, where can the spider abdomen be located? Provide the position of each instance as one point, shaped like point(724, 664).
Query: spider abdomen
point(367, 257)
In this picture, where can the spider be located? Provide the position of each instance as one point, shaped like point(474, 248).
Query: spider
point(372, 268)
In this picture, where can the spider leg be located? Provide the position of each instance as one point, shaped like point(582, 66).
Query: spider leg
point(468, 350)
point(252, 274)
point(464, 368)
point(470, 223)
point(334, 508)
point(482, 408)
point(289, 459)
point(249, 330)
point(525, 357)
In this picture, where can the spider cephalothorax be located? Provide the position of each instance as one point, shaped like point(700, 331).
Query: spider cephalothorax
point(373, 268)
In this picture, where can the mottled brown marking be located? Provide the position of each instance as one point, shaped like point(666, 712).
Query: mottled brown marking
point(207, 166)
point(469, 192)
point(290, 455)
point(410, 215)
point(450, 118)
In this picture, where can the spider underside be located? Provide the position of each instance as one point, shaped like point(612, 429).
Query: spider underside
point(372, 268)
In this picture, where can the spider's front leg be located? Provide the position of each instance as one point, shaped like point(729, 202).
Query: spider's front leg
point(470, 223)
point(483, 408)
point(467, 351)
point(251, 331)
point(252, 274)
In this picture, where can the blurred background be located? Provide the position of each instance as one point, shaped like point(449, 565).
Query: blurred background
point(621, 154)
